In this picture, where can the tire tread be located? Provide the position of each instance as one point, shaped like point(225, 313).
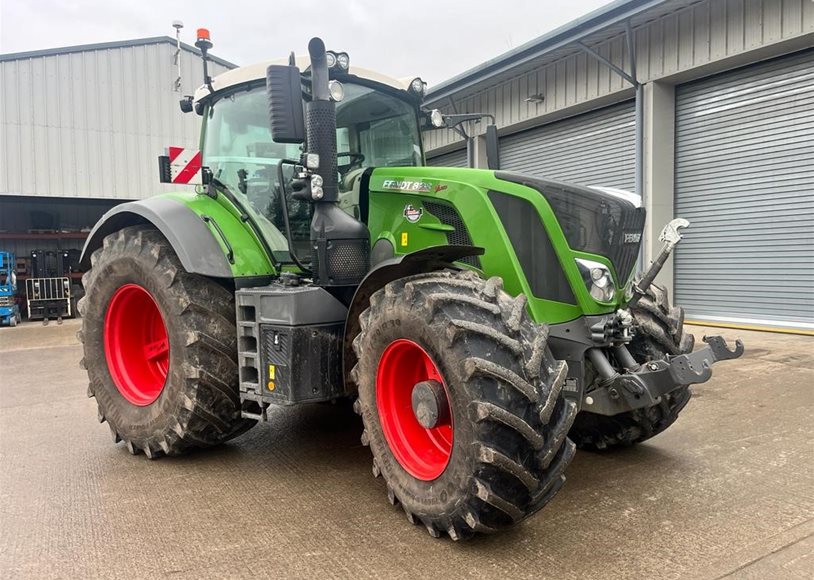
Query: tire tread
point(209, 409)
point(520, 418)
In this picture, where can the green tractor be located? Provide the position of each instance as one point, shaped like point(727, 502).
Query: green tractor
point(484, 323)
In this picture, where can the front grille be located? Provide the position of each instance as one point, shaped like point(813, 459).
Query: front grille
point(625, 255)
point(449, 216)
point(593, 221)
point(533, 248)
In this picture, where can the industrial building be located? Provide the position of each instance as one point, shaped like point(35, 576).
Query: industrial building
point(81, 129)
point(714, 97)
point(726, 97)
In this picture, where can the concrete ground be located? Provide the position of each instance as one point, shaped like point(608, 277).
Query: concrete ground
point(728, 491)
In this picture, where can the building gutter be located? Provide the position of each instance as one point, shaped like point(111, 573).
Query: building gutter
point(110, 45)
point(615, 13)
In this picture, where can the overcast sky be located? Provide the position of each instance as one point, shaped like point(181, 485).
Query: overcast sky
point(432, 39)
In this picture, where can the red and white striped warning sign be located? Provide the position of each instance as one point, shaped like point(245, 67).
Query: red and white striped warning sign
point(185, 165)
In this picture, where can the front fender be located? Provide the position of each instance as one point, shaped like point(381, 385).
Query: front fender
point(426, 260)
point(186, 232)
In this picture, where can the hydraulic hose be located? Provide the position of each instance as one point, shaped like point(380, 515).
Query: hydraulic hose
point(284, 206)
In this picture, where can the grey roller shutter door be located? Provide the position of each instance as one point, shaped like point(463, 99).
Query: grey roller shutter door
point(745, 179)
point(453, 159)
point(596, 148)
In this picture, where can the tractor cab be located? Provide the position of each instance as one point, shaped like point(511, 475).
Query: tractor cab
point(377, 125)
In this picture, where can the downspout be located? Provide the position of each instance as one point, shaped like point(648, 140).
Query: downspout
point(631, 50)
point(639, 114)
point(470, 149)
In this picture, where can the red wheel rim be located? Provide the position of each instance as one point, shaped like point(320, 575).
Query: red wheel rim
point(423, 453)
point(137, 348)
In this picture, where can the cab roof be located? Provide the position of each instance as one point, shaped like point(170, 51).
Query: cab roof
point(257, 71)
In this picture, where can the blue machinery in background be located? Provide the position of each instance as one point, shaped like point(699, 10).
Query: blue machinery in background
point(9, 310)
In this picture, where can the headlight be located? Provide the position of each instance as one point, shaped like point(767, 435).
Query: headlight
point(437, 118)
point(417, 86)
point(316, 187)
point(339, 60)
point(597, 278)
point(336, 90)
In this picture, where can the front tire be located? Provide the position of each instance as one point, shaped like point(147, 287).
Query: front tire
point(159, 347)
point(659, 332)
point(497, 448)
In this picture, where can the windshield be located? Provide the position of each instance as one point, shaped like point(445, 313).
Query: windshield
point(377, 129)
point(374, 128)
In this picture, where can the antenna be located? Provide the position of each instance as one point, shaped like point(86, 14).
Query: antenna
point(177, 25)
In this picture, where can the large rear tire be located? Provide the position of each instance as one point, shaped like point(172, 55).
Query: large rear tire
point(159, 347)
point(659, 332)
point(495, 446)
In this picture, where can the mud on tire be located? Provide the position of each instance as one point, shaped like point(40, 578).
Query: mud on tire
point(510, 422)
point(659, 332)
point(199, 405)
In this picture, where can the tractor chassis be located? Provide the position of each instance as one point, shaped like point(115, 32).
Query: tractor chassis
point(283, 322)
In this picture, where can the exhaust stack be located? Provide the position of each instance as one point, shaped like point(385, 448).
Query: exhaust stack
point(340, 244)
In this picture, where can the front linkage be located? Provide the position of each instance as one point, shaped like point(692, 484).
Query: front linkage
point(642, 386)
point(637, 386)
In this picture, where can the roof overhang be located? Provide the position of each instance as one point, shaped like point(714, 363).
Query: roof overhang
point(605, 19)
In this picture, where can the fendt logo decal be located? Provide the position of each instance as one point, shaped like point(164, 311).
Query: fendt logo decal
point(398, 185)
point(633, 238)
point(411, 214)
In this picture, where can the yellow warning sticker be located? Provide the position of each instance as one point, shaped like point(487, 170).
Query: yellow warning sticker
point(403, 238)
point(272, 370)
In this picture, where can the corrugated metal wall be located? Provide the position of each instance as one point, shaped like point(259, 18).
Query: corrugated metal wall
point(92, 124)
point(745, 179)
point(452, 159)
point(596, 148)
point(687, 35)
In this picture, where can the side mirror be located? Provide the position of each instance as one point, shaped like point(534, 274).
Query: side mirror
point(492, 148)
point(284, 94)
point(186, 104)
